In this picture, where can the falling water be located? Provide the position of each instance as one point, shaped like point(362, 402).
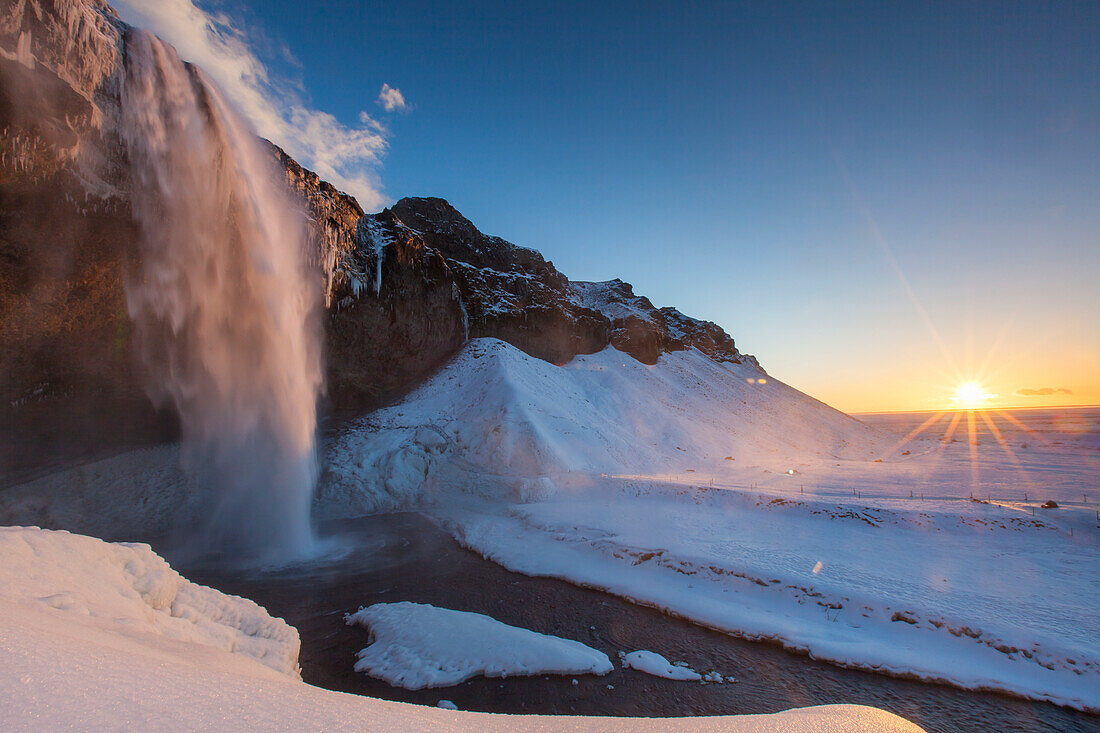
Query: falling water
point(225, 310)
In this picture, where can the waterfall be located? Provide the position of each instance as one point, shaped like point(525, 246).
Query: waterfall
point(226, 312)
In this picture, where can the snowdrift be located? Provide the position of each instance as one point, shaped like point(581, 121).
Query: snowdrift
point(139, 493)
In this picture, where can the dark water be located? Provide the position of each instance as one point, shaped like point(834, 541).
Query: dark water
point(402, 557)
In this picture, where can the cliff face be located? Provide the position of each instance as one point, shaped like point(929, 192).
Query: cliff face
point(514, 294)
point(66, 371)
point(404, 289)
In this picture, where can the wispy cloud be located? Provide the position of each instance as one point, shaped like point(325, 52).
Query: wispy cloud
point(392, 100)
point(347, 156)
point(1043, 391)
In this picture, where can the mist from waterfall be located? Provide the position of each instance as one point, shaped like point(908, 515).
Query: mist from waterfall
point(225, 309)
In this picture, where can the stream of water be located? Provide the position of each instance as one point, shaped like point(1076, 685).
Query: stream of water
point(403, 557)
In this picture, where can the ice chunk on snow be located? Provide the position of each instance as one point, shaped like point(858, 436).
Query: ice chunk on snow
point(417, 645)
point(656, 665)
point(131, 586)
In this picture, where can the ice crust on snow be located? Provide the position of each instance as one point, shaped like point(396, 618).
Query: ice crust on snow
point(131, 586)
point(416, 645)
point(656, 665)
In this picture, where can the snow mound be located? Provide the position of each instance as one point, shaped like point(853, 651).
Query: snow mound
point(656, 665)
point(416, 646)
point(495, 421)
point(131, 587)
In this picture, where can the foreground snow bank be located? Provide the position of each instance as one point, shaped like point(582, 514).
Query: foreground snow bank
point(417, 645)
point(129, 586)
point(90, 641)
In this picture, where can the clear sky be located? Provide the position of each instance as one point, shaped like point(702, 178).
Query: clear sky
point(880, 200)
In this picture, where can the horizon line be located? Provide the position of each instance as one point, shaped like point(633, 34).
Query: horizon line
point(976, 409)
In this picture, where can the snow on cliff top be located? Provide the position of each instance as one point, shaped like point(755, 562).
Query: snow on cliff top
point(415, 645)
point(614, 298)
point(95, 636)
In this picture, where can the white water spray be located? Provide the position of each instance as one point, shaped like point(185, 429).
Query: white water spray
point(225, 311)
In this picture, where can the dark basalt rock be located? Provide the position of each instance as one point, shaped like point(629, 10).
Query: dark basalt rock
point(382, 343)
point(458, 239)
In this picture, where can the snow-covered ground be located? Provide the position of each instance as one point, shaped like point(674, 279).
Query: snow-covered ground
point(415, 645)
point(724, 496)
point(96, 636)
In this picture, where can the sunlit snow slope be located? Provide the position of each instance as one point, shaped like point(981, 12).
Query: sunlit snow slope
point(497, 419)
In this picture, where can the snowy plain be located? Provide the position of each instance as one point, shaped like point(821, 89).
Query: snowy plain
point(94, 637)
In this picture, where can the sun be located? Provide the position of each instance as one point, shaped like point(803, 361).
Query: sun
point(970, 394)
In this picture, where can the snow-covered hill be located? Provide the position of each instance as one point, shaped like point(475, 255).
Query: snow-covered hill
point(497, 421)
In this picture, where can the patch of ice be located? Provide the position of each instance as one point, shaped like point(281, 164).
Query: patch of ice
point(656, 665)
point(416, 645)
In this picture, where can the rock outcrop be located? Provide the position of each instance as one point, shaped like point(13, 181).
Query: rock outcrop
point(404, 288)
point(513, 293)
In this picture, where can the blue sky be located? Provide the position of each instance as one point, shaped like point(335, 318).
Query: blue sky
point(875, 198)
